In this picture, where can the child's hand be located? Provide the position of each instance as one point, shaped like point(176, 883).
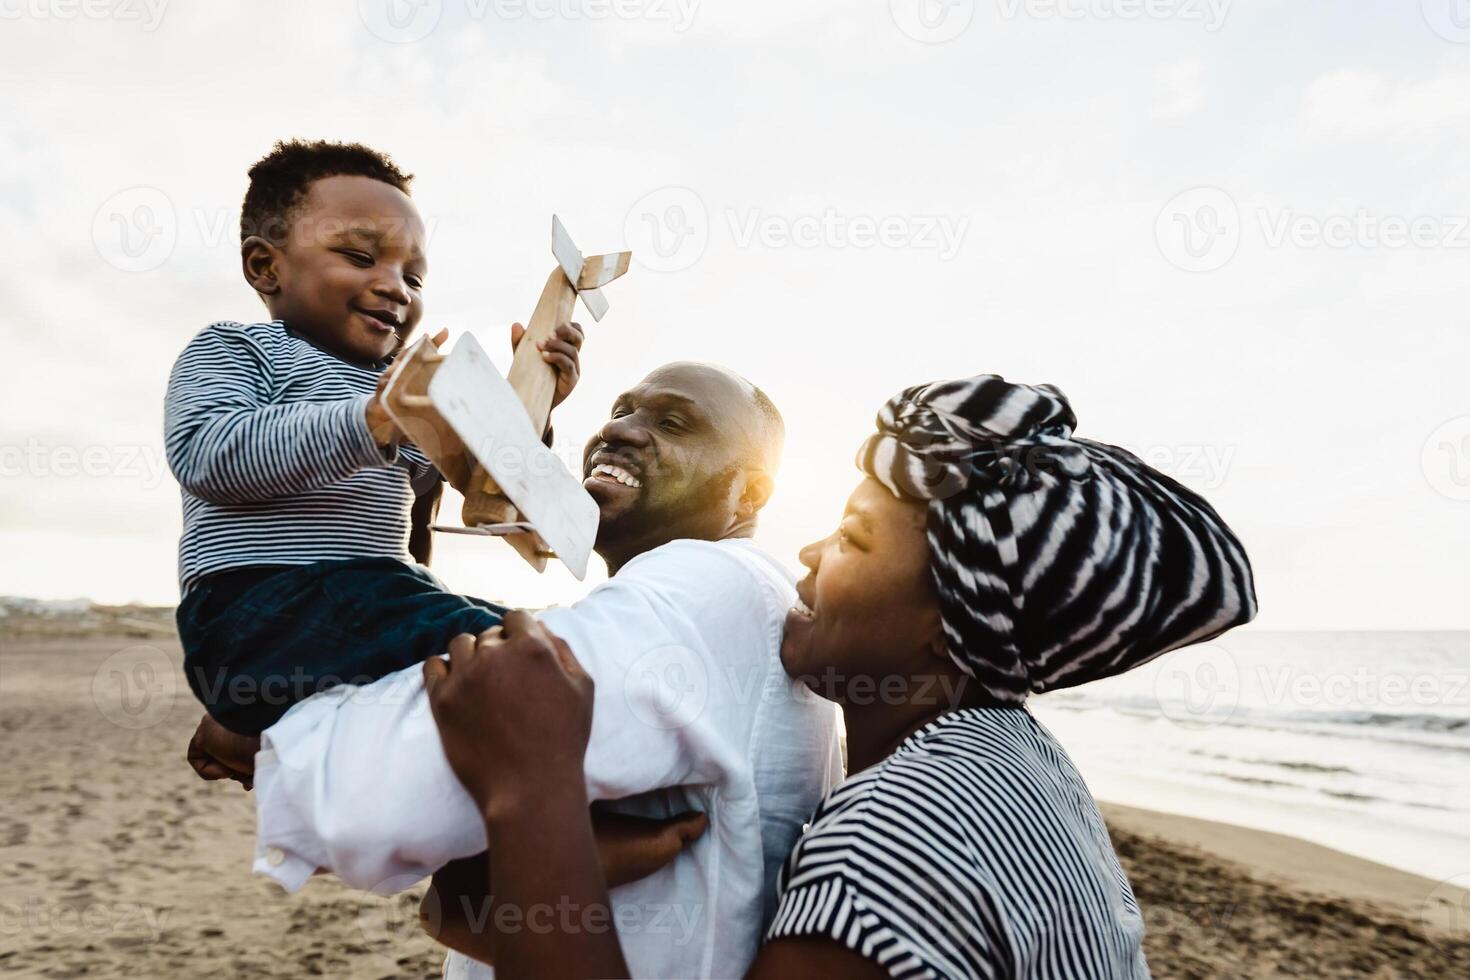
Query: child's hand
point(632, 848)
point(562, 350)
point(215, 752)
point(384, 430)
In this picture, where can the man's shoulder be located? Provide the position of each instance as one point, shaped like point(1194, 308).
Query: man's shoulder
point(716, 588)
point(713, 565)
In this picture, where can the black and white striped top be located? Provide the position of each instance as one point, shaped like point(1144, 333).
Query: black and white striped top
point(267, 436)
point(975, 850)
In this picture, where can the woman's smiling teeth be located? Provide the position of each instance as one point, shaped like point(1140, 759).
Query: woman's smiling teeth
point(803, 610)
point(606, 471)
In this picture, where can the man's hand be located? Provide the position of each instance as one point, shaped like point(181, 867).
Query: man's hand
point(514, 710)
point(215, 752)
point(562, 350)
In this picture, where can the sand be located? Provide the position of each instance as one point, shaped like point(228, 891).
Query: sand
point(116, 861)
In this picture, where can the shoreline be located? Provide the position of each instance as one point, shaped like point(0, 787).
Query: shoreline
point(118, 861)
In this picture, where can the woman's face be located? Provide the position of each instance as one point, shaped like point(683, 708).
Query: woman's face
point(867, 609)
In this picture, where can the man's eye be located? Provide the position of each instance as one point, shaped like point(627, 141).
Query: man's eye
point(672, 424)
point(415, 282)
point(359, 258)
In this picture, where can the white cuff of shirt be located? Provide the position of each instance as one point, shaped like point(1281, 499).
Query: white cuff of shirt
point(288, 870)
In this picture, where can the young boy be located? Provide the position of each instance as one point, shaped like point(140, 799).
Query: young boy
point(295, 565)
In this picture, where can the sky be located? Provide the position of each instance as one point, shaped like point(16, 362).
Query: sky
point(1236, 234)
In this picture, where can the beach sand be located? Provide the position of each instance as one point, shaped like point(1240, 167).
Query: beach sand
point(116, 861)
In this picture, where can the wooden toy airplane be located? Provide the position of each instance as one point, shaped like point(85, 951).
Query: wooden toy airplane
point(484, 431)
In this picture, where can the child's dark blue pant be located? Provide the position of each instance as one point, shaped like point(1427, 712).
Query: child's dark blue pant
point(258, 640)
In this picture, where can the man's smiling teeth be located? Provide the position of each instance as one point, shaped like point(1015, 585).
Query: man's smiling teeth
point(617, 473)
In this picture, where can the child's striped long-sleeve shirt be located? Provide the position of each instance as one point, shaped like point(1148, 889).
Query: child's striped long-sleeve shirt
point(267, 435)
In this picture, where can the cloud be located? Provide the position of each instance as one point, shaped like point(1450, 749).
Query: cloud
point(1354, 104)
point(1179, 89)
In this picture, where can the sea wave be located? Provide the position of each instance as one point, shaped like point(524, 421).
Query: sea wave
point(1441, 730)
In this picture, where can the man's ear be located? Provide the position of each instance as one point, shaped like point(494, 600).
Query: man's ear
point(758, 489)
point(258, 260)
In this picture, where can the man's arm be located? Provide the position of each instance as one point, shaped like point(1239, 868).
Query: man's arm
point(425, 509)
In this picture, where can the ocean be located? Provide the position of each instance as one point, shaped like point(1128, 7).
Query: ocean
point(1357, 741)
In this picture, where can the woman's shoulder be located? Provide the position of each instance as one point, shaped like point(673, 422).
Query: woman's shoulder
point(974, 827)
point(970, 778)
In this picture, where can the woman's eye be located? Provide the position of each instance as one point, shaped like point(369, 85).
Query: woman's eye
point(415, 282)
point(359, 258)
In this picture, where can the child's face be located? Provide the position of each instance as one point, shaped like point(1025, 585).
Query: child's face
point(350, 275)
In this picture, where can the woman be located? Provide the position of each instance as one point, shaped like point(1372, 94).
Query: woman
point(988, 554)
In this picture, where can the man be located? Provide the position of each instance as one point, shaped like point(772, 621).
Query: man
point(693, 709)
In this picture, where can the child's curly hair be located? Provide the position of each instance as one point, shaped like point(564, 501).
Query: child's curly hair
point(278, 180)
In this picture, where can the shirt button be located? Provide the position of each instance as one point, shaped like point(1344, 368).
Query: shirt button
point(274, 857)
point(805, 827)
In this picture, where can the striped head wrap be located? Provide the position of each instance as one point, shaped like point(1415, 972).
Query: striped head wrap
point(1057, 560)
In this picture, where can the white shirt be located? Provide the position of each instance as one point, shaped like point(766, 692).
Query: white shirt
point(693, 711)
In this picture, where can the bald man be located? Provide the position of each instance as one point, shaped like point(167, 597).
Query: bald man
point(693, 708)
